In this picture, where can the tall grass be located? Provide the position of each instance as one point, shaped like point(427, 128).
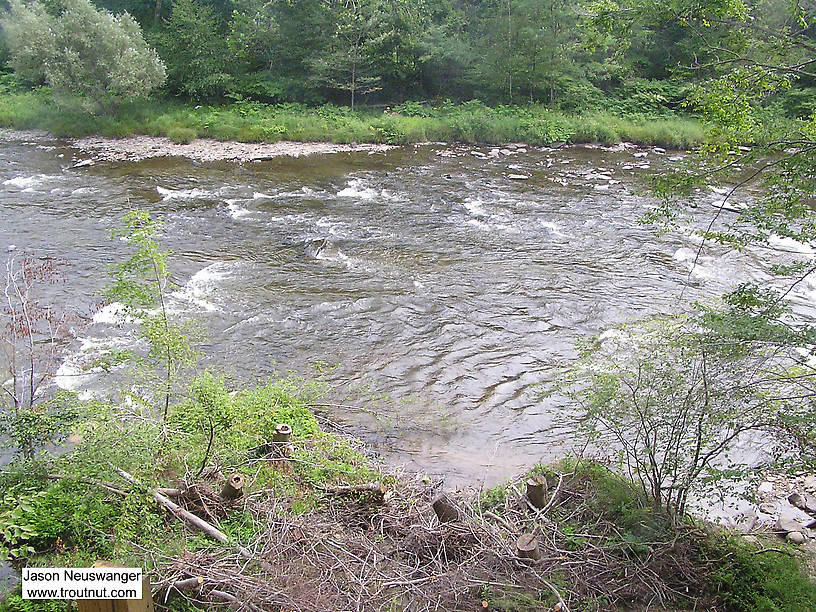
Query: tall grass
point(471, 122)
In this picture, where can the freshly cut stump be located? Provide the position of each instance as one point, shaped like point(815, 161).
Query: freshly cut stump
point(536, 491)
point(527, 547)
point(234, 487)
point(281, 438)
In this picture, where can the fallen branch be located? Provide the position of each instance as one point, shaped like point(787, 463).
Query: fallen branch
point(369, 487)
point(171, 492)
point(191, 518)
point(198, 581)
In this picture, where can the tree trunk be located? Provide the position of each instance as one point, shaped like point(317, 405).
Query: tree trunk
point(527, 547)
point(446, 511)
point(536, 490)
point(234, 487)
point(281, 438)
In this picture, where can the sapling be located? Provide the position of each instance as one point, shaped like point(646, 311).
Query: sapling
point(142, 285)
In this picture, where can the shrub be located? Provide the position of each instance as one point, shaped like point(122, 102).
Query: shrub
point(181, 135)
point(86, 51)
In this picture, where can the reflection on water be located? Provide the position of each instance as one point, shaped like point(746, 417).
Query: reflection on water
point(443, 290)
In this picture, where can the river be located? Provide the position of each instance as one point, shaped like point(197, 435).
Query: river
point(436, 292)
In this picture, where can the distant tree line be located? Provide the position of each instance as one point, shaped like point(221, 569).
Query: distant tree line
point(562, 53)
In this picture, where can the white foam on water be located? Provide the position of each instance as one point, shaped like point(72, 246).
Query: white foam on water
point(704, 269)
point(71, 374)
point(235, 210)
point(356, 188)
point(201, 284)
point(553, 228)
point(492, 227)
point(27, 183)
point(259, 195)
point(112, 314)
point(182, 194)
point(475, 208)
point(335, 256)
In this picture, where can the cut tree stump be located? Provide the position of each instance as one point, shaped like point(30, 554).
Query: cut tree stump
point(446, 511)
point(527, 547)
point(234, 487)
point(537, 490)
point(281, 438)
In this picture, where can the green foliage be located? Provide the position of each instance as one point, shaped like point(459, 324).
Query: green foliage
point(672, 399)
point(82, 51)
point(17, 529)
point(256, 122)
point(747, 581)
point(194, 49)
point(181, 135)
point(143, 281)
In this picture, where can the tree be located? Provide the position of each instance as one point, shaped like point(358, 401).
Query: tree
point(674, 398)
point(32, 335)
point(195, 50)
point(82, 51)
point(142, 284)
point(678, 400)
point(346, 63)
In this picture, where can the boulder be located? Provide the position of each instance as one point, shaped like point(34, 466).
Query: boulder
point(787, 524)
point(796, 537)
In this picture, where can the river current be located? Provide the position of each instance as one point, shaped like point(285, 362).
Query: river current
point(431, 286)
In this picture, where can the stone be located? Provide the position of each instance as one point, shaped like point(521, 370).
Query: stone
point(796, 537)
point(767, 508)
point(765, 487)
point(786, 524)
point(518, 177)
point(796, 500)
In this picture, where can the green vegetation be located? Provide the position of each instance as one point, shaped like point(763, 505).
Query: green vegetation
point(82, 51)
point(516, 71)
point(255, 122)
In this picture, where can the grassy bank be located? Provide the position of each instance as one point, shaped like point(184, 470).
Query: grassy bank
point(315, 542)
point(471, 122)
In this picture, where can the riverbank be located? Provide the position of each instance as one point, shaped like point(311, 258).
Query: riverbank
point(315, 523)
point(251, 122)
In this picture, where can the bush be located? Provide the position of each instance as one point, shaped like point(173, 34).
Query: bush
point(85, 51)
point(181, 135)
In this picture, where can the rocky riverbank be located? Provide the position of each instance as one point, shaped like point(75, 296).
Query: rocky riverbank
point(137, 148)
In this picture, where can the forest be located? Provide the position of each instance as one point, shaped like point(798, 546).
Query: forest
point(632, 60)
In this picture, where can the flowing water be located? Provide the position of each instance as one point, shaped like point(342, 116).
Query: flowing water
point(438, 293)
